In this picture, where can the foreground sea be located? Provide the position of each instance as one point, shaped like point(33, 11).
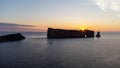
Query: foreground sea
point(36, 51)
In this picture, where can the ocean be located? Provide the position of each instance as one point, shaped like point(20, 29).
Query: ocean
point(36, 51)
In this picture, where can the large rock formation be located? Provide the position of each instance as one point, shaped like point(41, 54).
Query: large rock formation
point(11, 37)
point(61, 33)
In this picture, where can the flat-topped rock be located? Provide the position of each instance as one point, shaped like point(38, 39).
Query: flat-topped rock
point(11, 37)
point(62, 33)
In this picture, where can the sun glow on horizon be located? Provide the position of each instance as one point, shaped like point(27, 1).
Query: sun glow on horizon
point(96, 15)
point(83, 28)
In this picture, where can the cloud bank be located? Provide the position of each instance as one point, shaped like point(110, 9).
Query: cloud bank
point(14, 25)
point(109, 5)
point(6, 27)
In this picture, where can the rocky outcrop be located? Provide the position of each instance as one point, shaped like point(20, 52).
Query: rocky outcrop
point(11, 37)
point(98, 35)
point(61, 33)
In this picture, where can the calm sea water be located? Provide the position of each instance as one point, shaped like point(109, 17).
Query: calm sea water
point(39, 52)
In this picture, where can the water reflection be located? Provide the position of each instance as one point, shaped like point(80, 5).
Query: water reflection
point(61, 53)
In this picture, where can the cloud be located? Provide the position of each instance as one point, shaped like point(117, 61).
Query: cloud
point(17, 27)
point(14, 25)
point(109, 5)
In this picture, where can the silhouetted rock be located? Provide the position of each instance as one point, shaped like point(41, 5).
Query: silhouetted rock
point(98, 34)
point(11, 37)
point(89, 33)
point(61, 33)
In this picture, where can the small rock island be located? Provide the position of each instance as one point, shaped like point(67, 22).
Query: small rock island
point(11, 37)
point(62, 33)
point(98, 35)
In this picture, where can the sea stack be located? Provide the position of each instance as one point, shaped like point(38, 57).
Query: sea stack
point(98, 35)
point(11, 37)
point(62, 33)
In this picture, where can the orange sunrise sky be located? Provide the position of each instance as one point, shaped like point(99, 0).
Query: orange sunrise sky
point(38, 15)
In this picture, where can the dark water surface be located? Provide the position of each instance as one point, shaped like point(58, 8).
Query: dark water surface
point(39, 52)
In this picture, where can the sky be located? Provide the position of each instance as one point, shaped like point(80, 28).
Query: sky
point(38, 15)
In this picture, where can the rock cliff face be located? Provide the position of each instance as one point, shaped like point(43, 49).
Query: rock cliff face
point(61, 33)
point(11, 37)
